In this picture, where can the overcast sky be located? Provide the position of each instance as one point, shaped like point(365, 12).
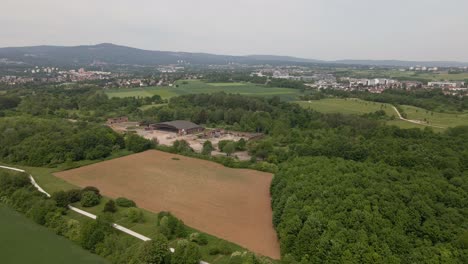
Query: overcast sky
point(316, 29)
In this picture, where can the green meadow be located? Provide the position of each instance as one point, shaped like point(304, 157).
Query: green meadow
point(445, 120)
point(23, 241)
point(407, 75)
point(347, 106)
point(197, 86)
point(438, 121)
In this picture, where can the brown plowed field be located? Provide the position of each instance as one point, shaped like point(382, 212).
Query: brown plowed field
point(233, 204)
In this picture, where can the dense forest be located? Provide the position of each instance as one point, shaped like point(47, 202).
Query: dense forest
point(40, 142)
point(347, 189)
point(329, 210)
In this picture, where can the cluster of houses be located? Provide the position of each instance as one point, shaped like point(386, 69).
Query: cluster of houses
point(55, 75)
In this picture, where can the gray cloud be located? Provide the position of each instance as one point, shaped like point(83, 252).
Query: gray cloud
point(322, 29)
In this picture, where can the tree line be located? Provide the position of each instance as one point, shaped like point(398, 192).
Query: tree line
point(48, 142)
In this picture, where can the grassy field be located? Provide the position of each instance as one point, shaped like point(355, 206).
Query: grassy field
point(197, 86)
point(347, 106)
point(441, 121)
point(406, 125)
point(437, 119)
point(23, 241)
point(430, 76)
point(233, 204)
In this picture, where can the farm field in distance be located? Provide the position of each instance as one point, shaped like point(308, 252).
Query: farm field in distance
point(359, 107)
point(407, 75)
point(347, 106)
point(197, 86)
point(435, 118)
point(233, 204)
point(23, 241)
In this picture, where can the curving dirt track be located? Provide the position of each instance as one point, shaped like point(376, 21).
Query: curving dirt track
point(233, 204)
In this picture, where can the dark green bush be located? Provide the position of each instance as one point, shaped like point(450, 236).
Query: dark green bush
point(89, 199)
point(136, 143)
point(213, 250)
point(110, 207)
point(61, 198)
point(198, 238)
point(91, 189)
point(74, 195)
point(171, 226)
point(134, 215)
point(124, 202)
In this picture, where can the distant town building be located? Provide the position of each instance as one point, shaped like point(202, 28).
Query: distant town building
point(445, 84)
point(180, 127)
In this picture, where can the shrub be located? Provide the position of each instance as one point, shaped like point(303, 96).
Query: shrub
point(229, 148)
point(236, 258)
point(181, 146)
point(110, 207)
point(186, 252)
point(224, 248)
point(89, 199)
point(134, 215)
point(198, 238)
point(56, 221)
point(214, 250)
point(170, 226)
point(40, 209)
point(164, 226)
point(91, 189)
point(136, 143)
point(23, 199)
point(207, 148)
point(74, 195)
point(124, 202)
point(223, 143)
point(154, 251)
point(73, 228)
point(241, 144)
point(92, 233)
point(61, 199)
point(21, 180)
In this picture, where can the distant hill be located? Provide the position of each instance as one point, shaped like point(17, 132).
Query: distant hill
point(282, 58)
point(120, 55)
point(105, 53)
point(400, 63)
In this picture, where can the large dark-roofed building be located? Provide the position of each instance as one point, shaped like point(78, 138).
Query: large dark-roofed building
point(179, 126)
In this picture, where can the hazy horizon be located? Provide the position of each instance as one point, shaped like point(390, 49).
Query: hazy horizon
point(418, 30)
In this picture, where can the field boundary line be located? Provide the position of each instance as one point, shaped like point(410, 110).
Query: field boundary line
point(82, 212)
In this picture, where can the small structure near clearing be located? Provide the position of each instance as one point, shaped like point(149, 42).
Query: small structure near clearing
point(166, 133)
point(181, 127)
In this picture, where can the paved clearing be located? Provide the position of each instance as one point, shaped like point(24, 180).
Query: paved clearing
point(233, 204)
